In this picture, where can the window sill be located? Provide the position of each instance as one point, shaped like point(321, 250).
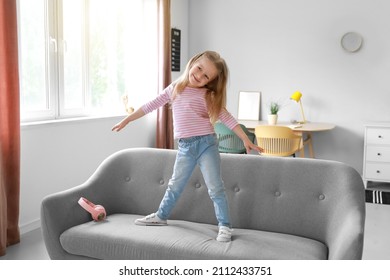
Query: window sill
point(27, 124)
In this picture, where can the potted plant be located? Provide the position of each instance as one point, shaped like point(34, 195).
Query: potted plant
point(273, 115)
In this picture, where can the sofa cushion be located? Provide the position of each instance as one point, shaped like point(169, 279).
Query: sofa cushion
point(118, 238)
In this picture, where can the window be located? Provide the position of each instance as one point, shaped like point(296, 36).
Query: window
point(80, 57)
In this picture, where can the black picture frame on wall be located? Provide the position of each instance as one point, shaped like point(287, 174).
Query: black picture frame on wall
point(175, 49)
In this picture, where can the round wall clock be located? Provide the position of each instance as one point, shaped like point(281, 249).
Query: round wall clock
point(351, 41)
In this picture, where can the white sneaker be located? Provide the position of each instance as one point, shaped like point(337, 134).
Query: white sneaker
point(151, 220)
point(224, 234)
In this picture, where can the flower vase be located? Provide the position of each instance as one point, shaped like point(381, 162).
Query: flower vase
point(272, 119)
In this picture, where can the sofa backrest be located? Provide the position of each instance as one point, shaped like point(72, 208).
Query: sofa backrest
point(305, 197)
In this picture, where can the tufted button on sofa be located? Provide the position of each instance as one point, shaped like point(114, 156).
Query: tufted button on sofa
point(281, 208)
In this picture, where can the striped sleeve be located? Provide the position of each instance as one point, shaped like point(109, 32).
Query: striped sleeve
point(227, 119)
point(159, 101)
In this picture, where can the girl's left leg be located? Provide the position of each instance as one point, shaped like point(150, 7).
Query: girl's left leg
point(210, 165)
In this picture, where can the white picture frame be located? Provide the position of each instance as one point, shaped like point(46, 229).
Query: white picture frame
point(249, 104)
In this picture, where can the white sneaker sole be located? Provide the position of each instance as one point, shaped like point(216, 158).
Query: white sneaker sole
point(224, 239)
point(141, 223)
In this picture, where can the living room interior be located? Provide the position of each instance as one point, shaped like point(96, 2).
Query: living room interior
point(272, 47)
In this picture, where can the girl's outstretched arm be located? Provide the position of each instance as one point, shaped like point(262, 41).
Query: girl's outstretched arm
point(247, 142)
point(132, 117)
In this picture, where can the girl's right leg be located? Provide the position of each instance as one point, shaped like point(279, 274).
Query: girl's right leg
point(183, 168)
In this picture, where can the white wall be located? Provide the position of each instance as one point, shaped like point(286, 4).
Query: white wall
point(60, 155)
point(280, 46)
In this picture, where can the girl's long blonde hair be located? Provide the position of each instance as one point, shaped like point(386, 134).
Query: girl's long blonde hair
point(216, 89)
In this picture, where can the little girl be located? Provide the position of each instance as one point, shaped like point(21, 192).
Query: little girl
point(198, 100)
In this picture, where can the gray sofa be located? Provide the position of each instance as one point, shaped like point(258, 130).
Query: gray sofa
point(281, 208)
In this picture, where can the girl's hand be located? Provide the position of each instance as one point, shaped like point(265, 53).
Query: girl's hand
point(247, 142)
point(119, 126)
point(250, 146)
point(132, 117)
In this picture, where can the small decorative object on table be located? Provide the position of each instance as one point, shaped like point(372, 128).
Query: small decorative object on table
point(273, 116)
point(296, 96)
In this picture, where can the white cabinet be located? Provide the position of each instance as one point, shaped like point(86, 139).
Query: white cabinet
point(376, 166)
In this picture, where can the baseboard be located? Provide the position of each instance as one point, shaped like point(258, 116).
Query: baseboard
point(30, 226)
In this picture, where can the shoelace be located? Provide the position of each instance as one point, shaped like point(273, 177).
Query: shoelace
point(224, 231)
point(151, 216)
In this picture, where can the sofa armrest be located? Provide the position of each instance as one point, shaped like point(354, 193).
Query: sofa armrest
point(346, 240)
point(345, 231)
point(60, 212)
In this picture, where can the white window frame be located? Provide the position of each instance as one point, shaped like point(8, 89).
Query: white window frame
point(62, 111)
point(54, 67)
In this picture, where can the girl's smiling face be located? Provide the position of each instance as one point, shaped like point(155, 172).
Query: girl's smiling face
point(202, 72)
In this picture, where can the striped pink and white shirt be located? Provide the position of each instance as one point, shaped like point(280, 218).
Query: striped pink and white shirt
point(190, 115)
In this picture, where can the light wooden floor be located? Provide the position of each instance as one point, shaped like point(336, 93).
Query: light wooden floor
point(376, 242)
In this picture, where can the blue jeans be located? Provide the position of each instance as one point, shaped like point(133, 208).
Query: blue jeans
point(201, 150)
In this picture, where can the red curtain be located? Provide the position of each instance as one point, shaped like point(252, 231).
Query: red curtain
point(164, 133)
point(9, 127)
